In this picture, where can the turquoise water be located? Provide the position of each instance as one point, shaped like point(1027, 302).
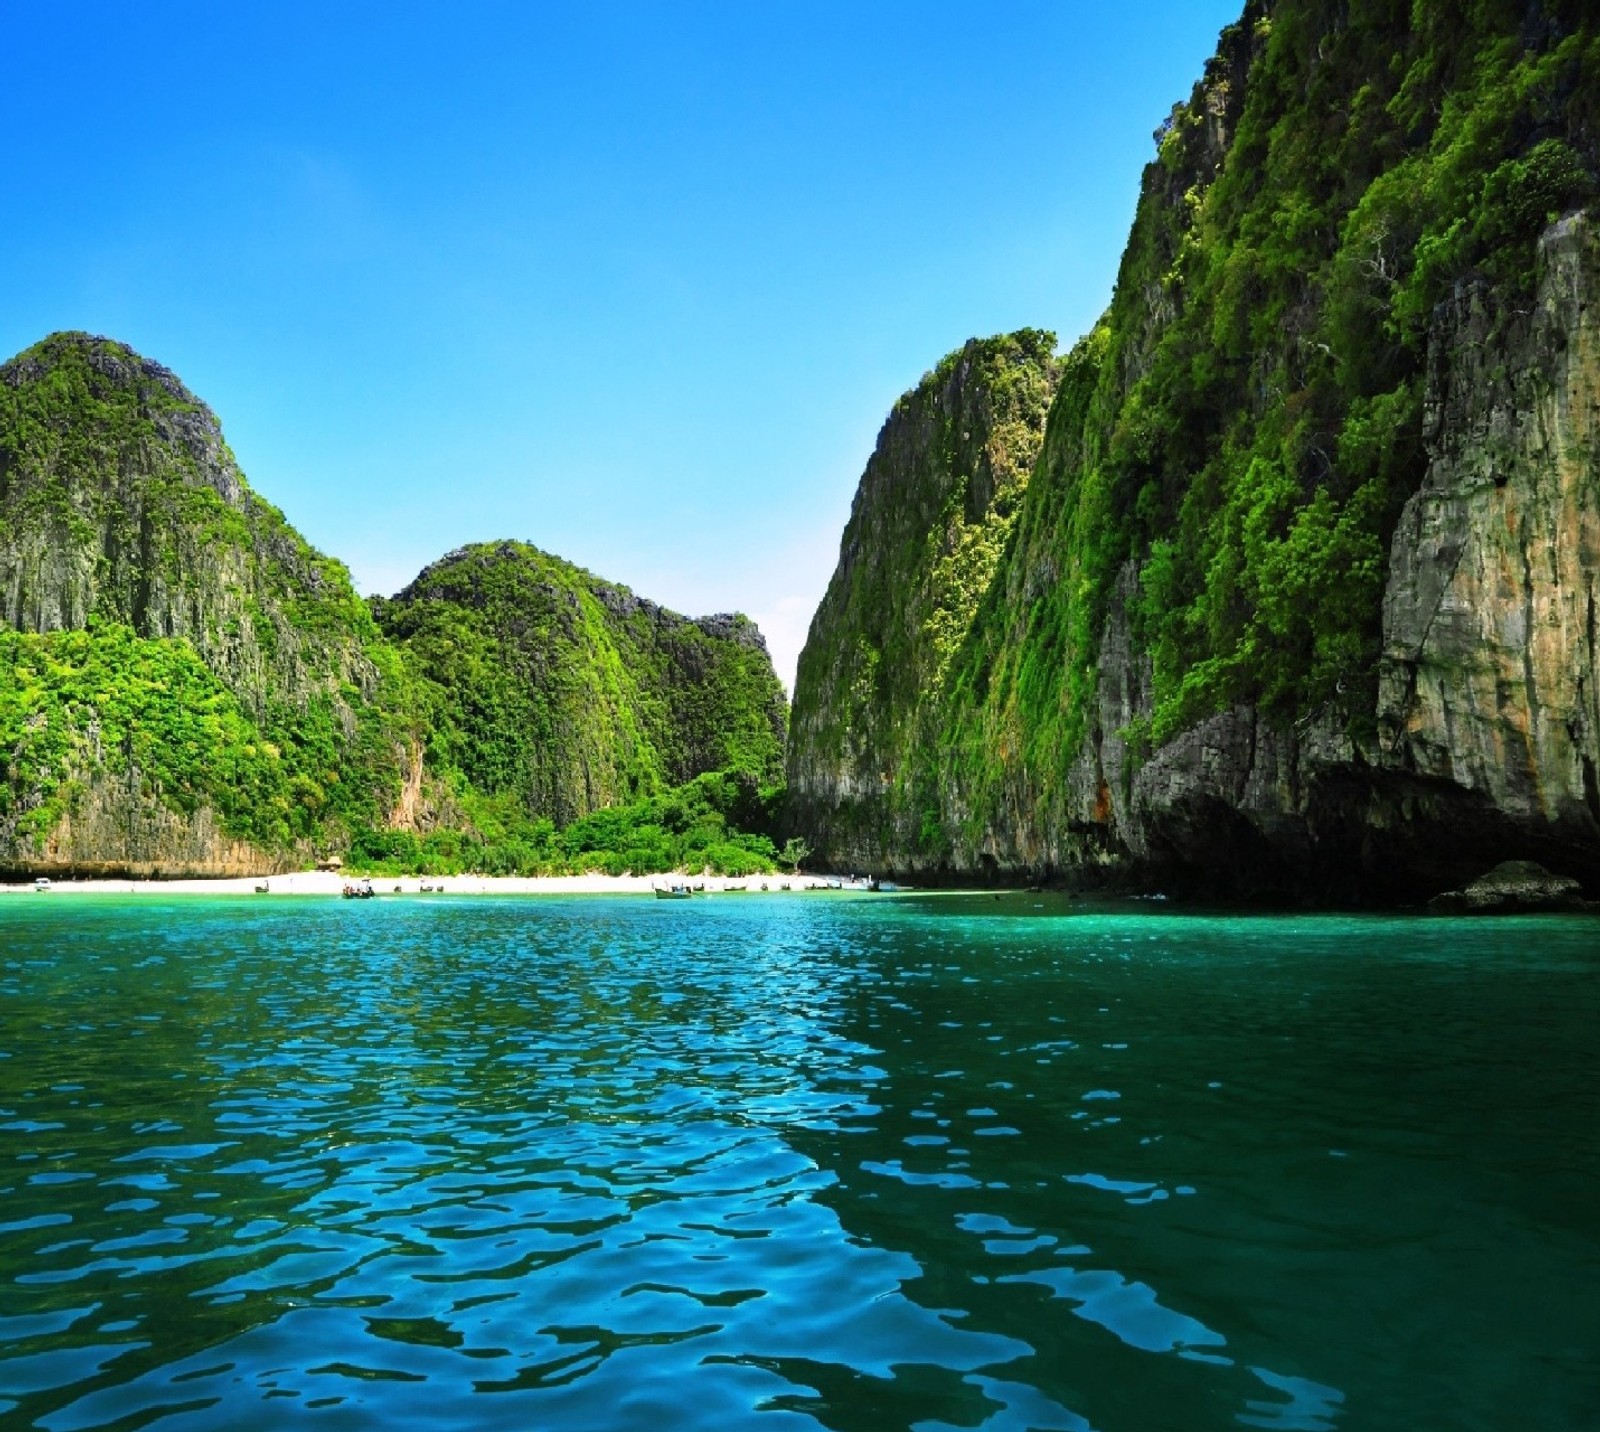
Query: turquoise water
point(794, 1162)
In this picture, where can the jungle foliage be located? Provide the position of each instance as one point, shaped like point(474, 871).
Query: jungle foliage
point(167, 637)
point(544, 683)
point(103, 701)
point(718, 822)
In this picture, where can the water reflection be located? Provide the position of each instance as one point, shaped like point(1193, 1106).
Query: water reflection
point(804, 1162)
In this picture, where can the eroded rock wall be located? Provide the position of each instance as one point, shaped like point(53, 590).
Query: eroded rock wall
point(1487, 714)
point(1299, 598)
point(116, 827)
point(1491, 672)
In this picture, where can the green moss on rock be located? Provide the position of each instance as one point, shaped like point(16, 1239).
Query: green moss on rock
point(930, 522)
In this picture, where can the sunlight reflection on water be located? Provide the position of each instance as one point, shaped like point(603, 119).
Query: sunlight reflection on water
point(800, 1162)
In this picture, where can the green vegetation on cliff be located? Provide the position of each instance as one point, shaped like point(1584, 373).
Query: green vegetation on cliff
point(185, 683)
point(1375, 161)
point(142, 568)
point(1229, 450)
point(566, 693)
point(930, 521)
point(1249, 417)
point(102, 701)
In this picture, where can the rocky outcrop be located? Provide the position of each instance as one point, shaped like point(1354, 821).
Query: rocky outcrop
point(1515, 887)
point(929, 522)
point(120, 501)
point(187, 687)
point(1488, 729)
point(115, 827)
point(1299, 599)
point(185, 683)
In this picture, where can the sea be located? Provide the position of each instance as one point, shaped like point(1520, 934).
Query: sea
point(792, 1161)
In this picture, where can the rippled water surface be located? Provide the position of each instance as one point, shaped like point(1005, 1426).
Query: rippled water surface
point(793, 1162)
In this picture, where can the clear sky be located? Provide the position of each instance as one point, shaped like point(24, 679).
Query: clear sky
point(635, 282)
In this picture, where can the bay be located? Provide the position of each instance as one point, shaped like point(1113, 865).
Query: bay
point(793, 1162)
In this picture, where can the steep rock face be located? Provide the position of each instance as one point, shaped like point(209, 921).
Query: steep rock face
point(118, 828)
point(118, 748)
point(187, 687)
point(931, 516)
point(1491, 671)
point(187, 683)
point(567, 693)
point(1296, 600)
point(120, 501)
point(1486, 714)
point(1488, 730)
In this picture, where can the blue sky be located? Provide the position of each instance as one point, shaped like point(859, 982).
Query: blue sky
point(634, 282)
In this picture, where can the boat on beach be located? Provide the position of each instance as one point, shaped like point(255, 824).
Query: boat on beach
point(678, 890)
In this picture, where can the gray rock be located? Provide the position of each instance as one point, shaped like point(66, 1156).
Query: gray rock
point(1487, 707)
point(1513, 887)
point(1491, 671)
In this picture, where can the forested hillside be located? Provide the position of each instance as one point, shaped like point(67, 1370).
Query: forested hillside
point(185, 680)
point(187, 686)
point(550, 694)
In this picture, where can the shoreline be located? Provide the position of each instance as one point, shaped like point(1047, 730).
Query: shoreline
point(331, 883)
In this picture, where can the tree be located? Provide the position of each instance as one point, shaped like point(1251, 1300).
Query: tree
point(794, 852)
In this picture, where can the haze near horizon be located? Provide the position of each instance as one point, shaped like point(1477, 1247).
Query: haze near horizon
point(637, 289)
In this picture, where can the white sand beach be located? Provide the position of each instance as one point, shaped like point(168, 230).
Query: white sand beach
point(323, 882)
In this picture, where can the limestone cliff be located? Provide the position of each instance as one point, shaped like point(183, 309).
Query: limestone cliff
point(187, 687)
point(1298, 600)
point(929, 522)
point(1491, 668)
point(121, 502)
point(1487, 731)
point(185, 684)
